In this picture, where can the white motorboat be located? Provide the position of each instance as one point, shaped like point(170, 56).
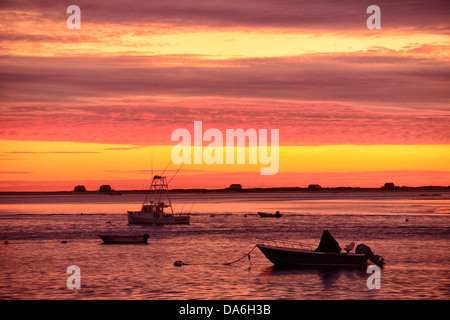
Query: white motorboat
point(156, 201)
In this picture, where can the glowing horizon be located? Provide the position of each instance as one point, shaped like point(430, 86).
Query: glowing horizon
point(59, 162)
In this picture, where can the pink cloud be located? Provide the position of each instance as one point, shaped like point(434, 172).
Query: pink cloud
point(300, 123)
point(306, 15)
point(359, 78)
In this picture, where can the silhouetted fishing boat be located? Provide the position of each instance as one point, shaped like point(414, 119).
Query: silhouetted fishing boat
point(124, 238)
point(152, 210)
point(327, 254)
point(269, 215)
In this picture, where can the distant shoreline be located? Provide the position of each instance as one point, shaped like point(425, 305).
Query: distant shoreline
point(248, 190)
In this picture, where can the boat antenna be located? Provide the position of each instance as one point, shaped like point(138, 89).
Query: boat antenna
point(166, 167)
point(182, 208)
point(191, 208)
point(151, 180)
point(176, 173)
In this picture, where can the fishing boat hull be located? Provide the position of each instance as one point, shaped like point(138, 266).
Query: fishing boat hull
point(292, 257)
point(138, 217)
point(122, 239)
point(268, 215)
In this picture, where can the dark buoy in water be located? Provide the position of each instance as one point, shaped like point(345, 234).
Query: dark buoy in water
point(179, 263)
point(64, 241)
point(109, 221)
point(406, 219)
point(6, 242)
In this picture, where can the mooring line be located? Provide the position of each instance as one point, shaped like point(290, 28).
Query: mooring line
point(180, 263)
point(245, 255)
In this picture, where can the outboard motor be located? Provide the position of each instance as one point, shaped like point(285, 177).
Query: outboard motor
point(376, 259)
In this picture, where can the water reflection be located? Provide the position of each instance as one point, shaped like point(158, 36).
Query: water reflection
point(328, 276)
point(34, 263)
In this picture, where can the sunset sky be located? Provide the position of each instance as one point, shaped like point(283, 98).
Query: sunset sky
point(98, 105)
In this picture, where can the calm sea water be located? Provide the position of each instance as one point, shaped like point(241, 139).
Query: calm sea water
point(410, 230)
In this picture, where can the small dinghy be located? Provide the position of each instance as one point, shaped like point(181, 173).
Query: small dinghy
point(269, 215)
point(124, 238)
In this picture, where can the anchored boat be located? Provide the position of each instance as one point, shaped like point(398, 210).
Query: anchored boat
point(328, 254)
point(124, 238)
point(269, 215)
point(155, 202)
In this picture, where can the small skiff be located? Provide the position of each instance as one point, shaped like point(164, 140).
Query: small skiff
point(124, 238)
point(269, 215)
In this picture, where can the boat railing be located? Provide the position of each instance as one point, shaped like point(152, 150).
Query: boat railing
point(284, 244)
